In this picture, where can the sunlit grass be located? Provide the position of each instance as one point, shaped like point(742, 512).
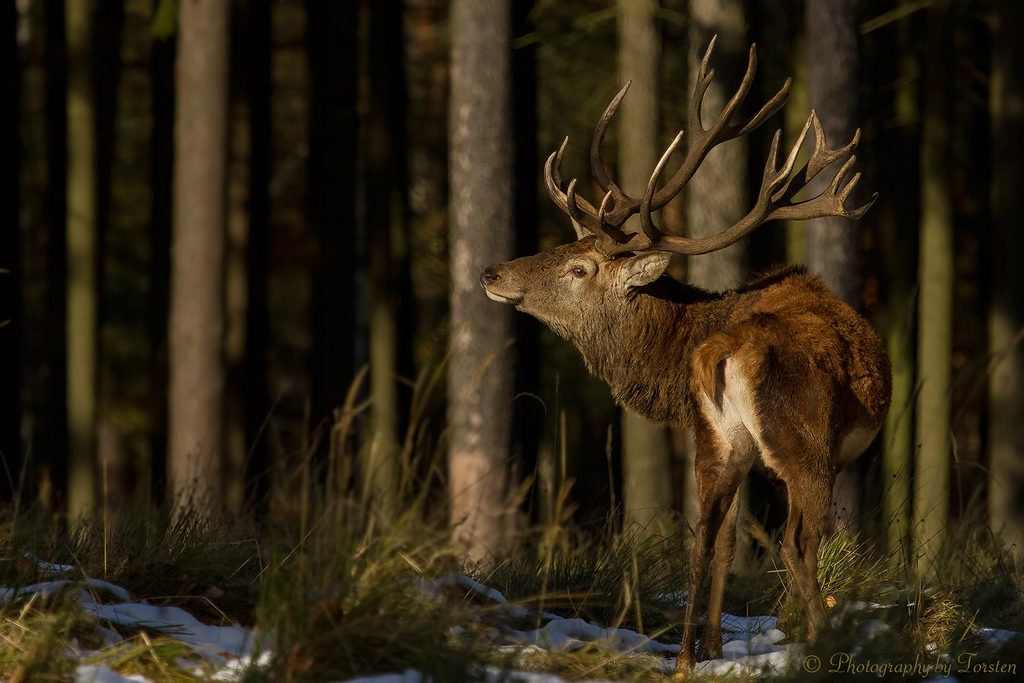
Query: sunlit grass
point(339, 585)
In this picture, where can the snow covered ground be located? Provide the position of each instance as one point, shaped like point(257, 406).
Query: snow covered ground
point(752, 645)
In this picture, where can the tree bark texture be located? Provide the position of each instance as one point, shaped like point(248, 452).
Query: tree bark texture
point(82, 260)
point(646, 457)
point(1006, 315)
point(196, 354)
point(481, 360)
point(717, 194)
point(833, 243)
point(935, 309)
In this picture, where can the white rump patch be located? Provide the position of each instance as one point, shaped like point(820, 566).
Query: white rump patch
point(735, 422)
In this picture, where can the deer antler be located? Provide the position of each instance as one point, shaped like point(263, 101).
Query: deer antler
point(777, 187)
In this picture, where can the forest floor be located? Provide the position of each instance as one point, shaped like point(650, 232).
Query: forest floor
point(157, 600)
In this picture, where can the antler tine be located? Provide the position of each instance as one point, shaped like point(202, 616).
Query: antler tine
point(572, 204)
point(597, 166)
point(703, 140)
point(652, 234)
point(822, 155)
point(778, 185)
point(553, 176)
point(578, 208)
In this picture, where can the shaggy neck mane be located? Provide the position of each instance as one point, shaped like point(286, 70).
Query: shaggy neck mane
point(642, 349)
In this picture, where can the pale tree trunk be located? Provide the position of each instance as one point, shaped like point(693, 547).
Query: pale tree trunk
point(646, 458)
point(1006, 315)
point(833, 243)
point(898, 441)
point(935, 308)
point(82, 330)
point(195, 353)
point(717, 195)
point(481, 360)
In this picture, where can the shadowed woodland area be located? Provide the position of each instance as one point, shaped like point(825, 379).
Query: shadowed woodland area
point(243, 243)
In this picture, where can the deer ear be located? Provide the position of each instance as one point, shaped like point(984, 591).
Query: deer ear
point(644, 268)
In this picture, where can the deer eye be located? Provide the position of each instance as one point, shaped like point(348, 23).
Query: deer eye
point(579, 271)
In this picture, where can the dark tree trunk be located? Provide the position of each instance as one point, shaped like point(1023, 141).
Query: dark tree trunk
point(332, 38)
point(257, 335)
point(1006, 316)
point(481, 360)
point(528, 415)
point(51, 446)
point(246, 291)
point(161, 150)
point(427, 80)
point(383, 140)
point(11, 319)
point(899, 249)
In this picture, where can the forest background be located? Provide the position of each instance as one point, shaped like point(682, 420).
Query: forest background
point(236, 255)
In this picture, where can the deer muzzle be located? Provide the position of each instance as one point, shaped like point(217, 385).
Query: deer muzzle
point(493, 283)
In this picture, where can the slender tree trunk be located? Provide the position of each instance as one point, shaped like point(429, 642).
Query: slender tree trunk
point(935, 312)
point(236, 264)
point(11, 317)
point(82, 326)
point(51, 439)
point(257, 331)
point(898, 442)
point(1006, 315)
point(161, 153)
point(717, 195)
point(646, 458)
point(427, 79)
point(481, 360)
point(382, 137)
point(833, 243)
point(337, 43)
point(197, 370)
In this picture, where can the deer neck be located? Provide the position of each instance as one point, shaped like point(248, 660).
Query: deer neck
point(643, 351)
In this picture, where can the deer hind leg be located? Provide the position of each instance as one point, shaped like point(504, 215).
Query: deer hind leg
point(809, 501)
point(718, 481)
point(721, 562)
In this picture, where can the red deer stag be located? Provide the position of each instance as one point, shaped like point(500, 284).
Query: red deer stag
point(780, 373)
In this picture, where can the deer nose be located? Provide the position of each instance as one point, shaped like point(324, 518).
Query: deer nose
point(489, 276)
